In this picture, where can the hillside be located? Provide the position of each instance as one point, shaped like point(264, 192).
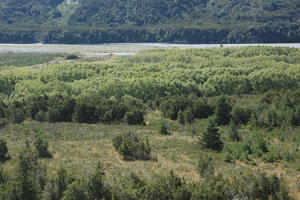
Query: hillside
point(201, 21)
point(193, 124)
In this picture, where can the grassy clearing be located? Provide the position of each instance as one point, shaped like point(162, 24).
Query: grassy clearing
point(27, 59)
point(81, 146)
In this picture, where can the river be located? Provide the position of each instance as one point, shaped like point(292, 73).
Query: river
point(116, 48)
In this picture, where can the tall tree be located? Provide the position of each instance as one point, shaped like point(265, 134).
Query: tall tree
point(211, 138)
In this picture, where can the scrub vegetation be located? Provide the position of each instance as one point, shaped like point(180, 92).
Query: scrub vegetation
point(217, 123)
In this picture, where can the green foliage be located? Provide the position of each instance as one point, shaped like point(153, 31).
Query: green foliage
point(72, 57)
point(168, 187)
point(233, 132)
point(26, 59)
point(96, 186)
point(251, 147)
point(30, 175)
point(185, 117)
point(211, 138)
point(134, 117)
point(185, 108)
point(223, 109)
point(205, 165)
point(174, 21)
point(76, 191)
point(129, 187)
point(3, 151)
point(131, 147)
point(163, 128)
point(241, 115)
point(41, 146)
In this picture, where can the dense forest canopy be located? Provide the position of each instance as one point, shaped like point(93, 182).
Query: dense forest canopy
point(233, 21)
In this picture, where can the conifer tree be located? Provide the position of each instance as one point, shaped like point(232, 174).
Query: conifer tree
point(211, 139)
point(223, 109)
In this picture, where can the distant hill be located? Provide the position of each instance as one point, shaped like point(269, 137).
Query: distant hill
point(187, 21)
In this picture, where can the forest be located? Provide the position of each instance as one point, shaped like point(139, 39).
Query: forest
point(176, 124)
point(181, 21)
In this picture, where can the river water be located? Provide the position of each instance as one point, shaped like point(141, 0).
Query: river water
point(116, 48)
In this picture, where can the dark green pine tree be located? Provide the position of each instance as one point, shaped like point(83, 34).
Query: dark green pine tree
point(223, 109)
point(211, 139)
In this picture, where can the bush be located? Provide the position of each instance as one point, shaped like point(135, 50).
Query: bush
point(41, 146)
point(163, 128)
point(168, 187)
point(253, 145)
point(131, 147)
point(241, 115)
point(201, 109)
point(3, 122)
point(272, 157)
point(72, 57)
point(76, 191)
point(134, 117)
point(206, 166)
point(185, 117)
point(96, 186)
point(129, 187)
point(233, 132)
point(223, 109)
point(3, 151)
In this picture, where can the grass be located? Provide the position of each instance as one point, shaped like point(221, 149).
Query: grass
point(27, 59)
point(81, 146)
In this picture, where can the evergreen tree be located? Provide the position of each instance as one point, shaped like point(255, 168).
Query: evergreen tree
point(96, 186)
point(3, 151)
point(233, 132)
point(223, 109)
point(30, 176)
point(211, 139)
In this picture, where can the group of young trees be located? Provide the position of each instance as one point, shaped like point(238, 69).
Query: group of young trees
point(31, 182)
point(58, 108)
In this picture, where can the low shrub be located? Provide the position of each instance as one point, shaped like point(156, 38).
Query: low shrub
point(134, 117)
point(131, 147)
point(72, 57)
point(3, 151)
point(41, 146)
point(163, 128)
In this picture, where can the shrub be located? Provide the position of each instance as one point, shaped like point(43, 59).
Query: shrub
point(296, 116)
point(201, 109)
point(72, 57)
point(3, 151)
point(241, 115)
point(223, 109)
point(233, 132)
point(129, 187)
point(134, 117)
point(41, 146)
point(76, 191)
point(96, 186)
point(163, 128)
point(211, 138)
point(168, 187)
point(3, 122)
point(131, 147)
point(253, 145)
point(185, 117)
point(205, 165)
